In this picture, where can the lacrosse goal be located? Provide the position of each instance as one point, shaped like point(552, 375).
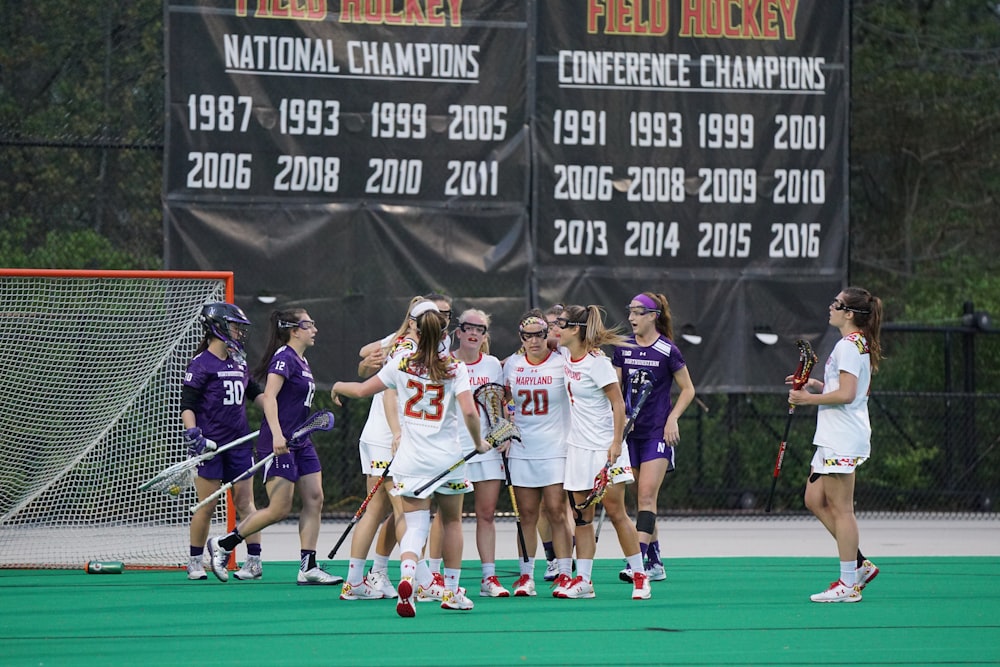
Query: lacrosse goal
point(90, 408)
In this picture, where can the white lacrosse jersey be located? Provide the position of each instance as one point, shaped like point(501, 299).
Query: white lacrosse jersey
point(376, 430)
point(592, 421)
point(429, 417)
point(541, 406)
point(484, 370)
point(846, 428)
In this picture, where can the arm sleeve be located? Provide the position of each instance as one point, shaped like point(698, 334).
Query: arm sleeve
point(253, 391)
point(190, 398)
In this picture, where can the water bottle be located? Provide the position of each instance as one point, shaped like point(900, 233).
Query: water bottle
point(104, 567)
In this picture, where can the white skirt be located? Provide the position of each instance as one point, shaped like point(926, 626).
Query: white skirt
point(583, 465)
point(537, 473)
point(374, 458)
point(480, 471)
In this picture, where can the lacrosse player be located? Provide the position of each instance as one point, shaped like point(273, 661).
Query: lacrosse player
point(375, 446)
point(213, 410)
point(843, 434)
point(544, 530)
point(287, 397)
point(433, 388)
point(651, 356)
point(377, 440)
point(535, 379)
point(595, 439)
point(485, 471)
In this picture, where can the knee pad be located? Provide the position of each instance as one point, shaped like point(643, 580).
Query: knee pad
point(418, 526)
point(813, 477)
point(645, 522)
point(580, 521)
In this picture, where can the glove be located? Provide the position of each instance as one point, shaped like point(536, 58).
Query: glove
point(198, 443)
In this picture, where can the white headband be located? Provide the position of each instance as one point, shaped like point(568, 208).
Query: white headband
point(423, 307)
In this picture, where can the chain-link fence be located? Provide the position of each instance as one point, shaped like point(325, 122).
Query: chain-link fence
point(932, 451)
point(81, 155)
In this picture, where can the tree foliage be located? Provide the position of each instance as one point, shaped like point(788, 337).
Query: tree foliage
point(925, 152)
point(81, 127)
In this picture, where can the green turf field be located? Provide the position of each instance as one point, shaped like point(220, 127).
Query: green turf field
point(712, 611)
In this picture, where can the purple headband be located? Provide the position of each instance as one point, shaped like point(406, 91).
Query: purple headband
point(646, 301)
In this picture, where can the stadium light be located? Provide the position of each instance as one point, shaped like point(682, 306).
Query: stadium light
point(765, 335)
point(690, 334)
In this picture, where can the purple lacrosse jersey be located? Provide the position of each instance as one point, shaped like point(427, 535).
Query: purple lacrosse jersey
point(294, 399)
point(657, 362)
point(222, 414)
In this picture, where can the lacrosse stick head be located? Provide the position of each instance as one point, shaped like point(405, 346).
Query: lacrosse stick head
point(596, 495)
point(492, 401)
point(502, 431)
point(173, 480)
point(807, 359)
point(228, 323)
point(319, 421)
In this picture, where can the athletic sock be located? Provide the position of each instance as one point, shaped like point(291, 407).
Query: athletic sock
point(565, 566)
point(356, 571)
point(452, 577)
point(408, 568)
point(253, 549)
point(489, 569)
point(584, 568)
point(527, 568)
point(380, 563)
point(434, 564)
point(643, 549)
point(422, 574)
point(848, 573)
point(197, 551)
point(653, 552)
point(307, 560)
point(550, 553)
point(634, 563)
point(861, 558)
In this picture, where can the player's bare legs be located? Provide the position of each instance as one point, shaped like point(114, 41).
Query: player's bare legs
point(831, 500)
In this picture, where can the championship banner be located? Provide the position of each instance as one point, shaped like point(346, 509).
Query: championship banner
point(696, 148)
point(343, 156)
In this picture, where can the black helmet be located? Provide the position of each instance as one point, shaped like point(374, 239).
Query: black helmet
point(227, 323)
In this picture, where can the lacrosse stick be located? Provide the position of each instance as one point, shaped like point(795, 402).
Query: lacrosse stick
point(504, 431)
point(807, 359)
point(181, 475)
point(320, 421)
point(600, 522)
point(602, 478)
point(492, 400)
point(361, 510)
point(517, 514)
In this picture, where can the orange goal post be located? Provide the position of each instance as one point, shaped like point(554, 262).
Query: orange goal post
point(93, 363)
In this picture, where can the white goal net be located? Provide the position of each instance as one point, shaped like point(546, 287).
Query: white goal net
point(92, 366)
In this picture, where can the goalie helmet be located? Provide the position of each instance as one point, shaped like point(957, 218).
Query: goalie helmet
point(227, 323)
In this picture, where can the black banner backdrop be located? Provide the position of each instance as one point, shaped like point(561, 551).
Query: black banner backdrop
point(344, 156)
